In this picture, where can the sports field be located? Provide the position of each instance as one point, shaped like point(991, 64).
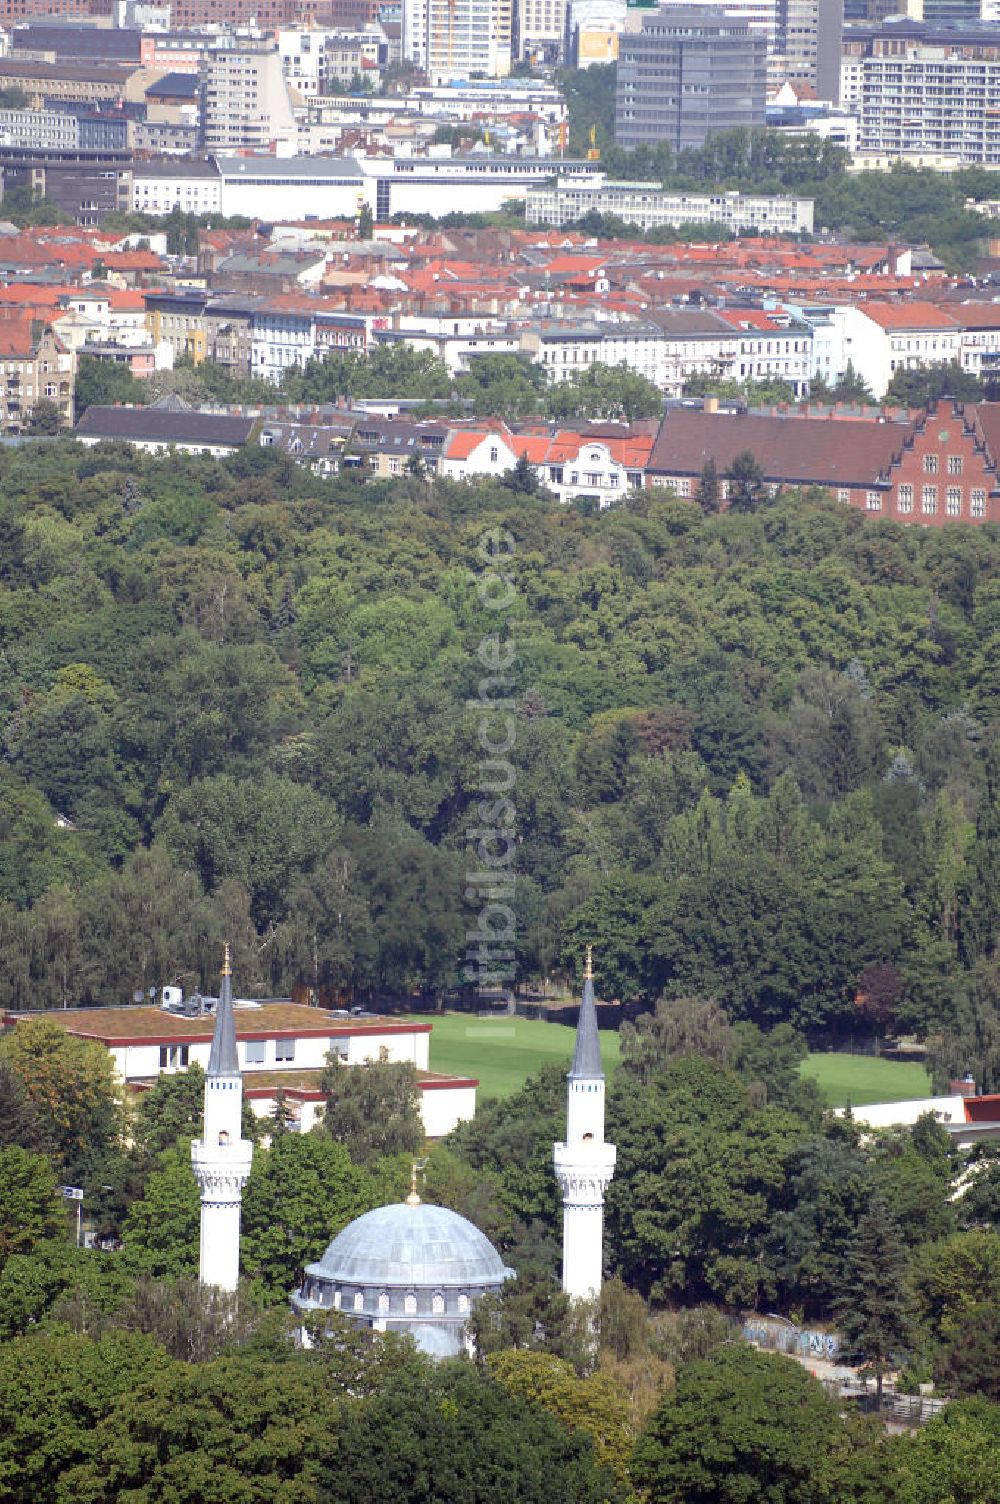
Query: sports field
point(501, 1052)
point(865, 1078)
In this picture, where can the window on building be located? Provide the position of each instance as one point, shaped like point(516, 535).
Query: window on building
point(977, 504)
point(844, 494)
point(873, 501)
point(340, 1048)
point(930, 464)
point(904, 499)
point(494, 455)
point(953, 501)
point(173, 1056)
point(954, 464)
point(929, 501)
point(284, 1049)
point(256, 1051)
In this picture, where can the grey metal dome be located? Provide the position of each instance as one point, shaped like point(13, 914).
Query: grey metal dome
point(412, 1246)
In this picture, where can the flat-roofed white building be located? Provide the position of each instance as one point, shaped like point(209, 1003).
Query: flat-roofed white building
point(568, 198)
point(280, 1046)
point(168, 183)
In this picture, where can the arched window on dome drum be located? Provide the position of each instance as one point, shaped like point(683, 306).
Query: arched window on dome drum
point(336, 1300)
point(410, 1304)
point(437, 1303)
point(359, 1301)
point(463, 1304)
point(383, 1303)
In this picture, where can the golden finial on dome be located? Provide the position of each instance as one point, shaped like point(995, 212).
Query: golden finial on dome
point(413, 1198)
point(588, 970)
point(227, 969)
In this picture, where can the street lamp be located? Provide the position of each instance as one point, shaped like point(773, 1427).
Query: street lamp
point(75, 1193)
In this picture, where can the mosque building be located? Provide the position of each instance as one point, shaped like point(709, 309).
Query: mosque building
point(412, 1267)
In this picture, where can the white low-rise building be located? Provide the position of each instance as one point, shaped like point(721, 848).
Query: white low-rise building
point(967, 1119)
point(169, 183)
point(281, 1046)
point(568, 198)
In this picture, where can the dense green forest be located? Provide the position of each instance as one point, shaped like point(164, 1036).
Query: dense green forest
point(755, 756)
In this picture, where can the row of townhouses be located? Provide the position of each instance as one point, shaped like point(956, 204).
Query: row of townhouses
point(931, 468)
point(256, 334)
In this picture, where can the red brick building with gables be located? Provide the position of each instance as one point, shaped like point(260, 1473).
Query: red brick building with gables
point(938, 467)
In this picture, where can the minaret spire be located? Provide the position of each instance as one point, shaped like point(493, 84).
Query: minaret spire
point(587, 1054)
point(584, 1164)
point(223, 1058)
point(221, 1158)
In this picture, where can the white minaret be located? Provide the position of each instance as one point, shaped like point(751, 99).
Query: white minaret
point(584, 1163)
point(221, 1157)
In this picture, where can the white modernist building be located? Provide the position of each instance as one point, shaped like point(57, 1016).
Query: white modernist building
point(280, 1046)
point(569, 197)
point(300, 187)
point(221, 1157)
point(584, 1164)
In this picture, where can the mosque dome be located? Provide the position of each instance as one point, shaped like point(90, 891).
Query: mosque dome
point(412, 1245)
point(410, 1267)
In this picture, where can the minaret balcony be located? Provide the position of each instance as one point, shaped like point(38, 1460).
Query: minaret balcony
point(584, 1161)
point(221, 1161)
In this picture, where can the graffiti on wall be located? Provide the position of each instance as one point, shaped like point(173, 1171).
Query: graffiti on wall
point(781, 1337)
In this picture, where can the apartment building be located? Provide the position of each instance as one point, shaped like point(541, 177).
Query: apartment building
point(177, 319)
point(540, 28)
point(33, 365)
point(926, 104)
point(771, 347)
point(979, 338)
point(925, 91)
point(161, 185)
point(467, 38)
point(688, 70)
point(567, 199)
point(881, 338)
point(668, 347)
point(244, 99)
point(39, 130)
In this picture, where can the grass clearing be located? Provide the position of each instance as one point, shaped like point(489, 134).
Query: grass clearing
point(501, 1052)
point(866, 1078)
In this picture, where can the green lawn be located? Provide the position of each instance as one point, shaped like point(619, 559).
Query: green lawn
point(502, 1051)
point(865, 1078)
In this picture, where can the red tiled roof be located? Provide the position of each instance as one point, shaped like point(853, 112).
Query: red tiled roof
point(891, 316)
point(806, 451)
